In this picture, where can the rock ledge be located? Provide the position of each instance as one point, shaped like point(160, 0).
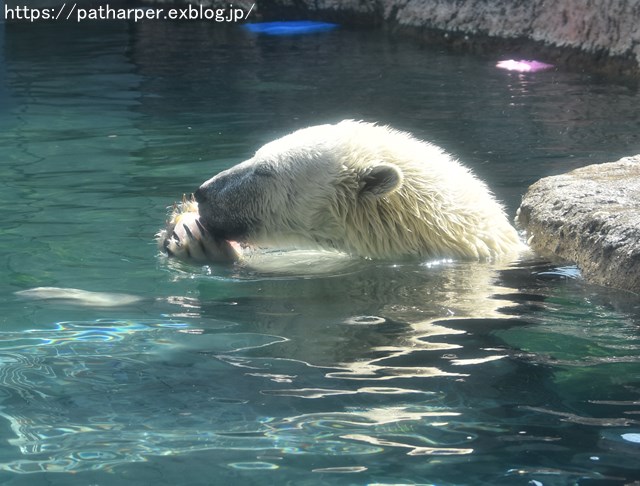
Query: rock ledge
point(590, 216)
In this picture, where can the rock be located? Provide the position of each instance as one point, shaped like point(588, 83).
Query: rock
point(589, 216)
point(601, 35)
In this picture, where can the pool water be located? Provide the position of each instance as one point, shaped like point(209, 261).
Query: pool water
point(157, 372)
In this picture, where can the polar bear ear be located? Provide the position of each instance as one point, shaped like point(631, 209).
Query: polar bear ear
point(380, 180)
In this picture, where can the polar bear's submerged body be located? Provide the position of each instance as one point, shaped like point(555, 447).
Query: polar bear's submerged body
point(354, 187)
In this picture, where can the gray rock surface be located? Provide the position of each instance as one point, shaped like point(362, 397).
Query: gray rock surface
point(589, 216)
point(607, 30)
point(592, 25)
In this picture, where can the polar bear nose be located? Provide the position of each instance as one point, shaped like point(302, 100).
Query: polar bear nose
point(199, 195)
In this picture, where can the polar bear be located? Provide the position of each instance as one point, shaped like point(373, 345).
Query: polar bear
point(356, 188)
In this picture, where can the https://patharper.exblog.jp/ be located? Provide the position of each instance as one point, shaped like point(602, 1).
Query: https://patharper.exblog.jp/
point(74, 12)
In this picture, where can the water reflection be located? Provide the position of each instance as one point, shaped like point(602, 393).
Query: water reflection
point(407, 361)
point(91, 395)
point(380, 374)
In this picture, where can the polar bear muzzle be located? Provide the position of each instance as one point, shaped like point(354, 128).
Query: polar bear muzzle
point(220, 217)
point(185, 238)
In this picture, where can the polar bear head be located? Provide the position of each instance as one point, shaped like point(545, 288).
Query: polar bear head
point(357, 188)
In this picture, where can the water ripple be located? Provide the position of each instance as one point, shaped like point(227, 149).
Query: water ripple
point(578, 419)
point(91, 395)
point(75, 402)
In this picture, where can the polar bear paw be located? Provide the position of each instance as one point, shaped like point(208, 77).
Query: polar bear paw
point(186, 239)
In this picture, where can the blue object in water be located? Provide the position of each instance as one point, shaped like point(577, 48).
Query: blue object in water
point(294, 27)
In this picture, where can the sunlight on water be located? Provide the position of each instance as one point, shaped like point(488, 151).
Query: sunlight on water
point(121, 367)
point(75, 394)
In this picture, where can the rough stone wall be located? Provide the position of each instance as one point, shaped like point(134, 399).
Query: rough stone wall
point(590, 216)
point(596, 27)
point(606, 28)
point(592, 25)
point(609, 27)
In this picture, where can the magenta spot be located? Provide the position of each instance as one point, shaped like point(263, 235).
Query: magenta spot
point(523, 66)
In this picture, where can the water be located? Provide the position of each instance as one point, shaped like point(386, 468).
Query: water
point(428, 373)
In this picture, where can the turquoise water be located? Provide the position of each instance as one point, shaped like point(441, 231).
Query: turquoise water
point(427, 373)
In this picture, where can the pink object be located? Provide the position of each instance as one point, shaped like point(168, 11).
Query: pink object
point(523, 66)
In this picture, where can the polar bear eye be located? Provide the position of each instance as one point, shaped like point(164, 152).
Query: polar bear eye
point(264, 170)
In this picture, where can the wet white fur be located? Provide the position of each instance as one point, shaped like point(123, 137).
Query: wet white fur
point(421, 202)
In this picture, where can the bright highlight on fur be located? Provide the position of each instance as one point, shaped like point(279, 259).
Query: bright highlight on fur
point(356, 188)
